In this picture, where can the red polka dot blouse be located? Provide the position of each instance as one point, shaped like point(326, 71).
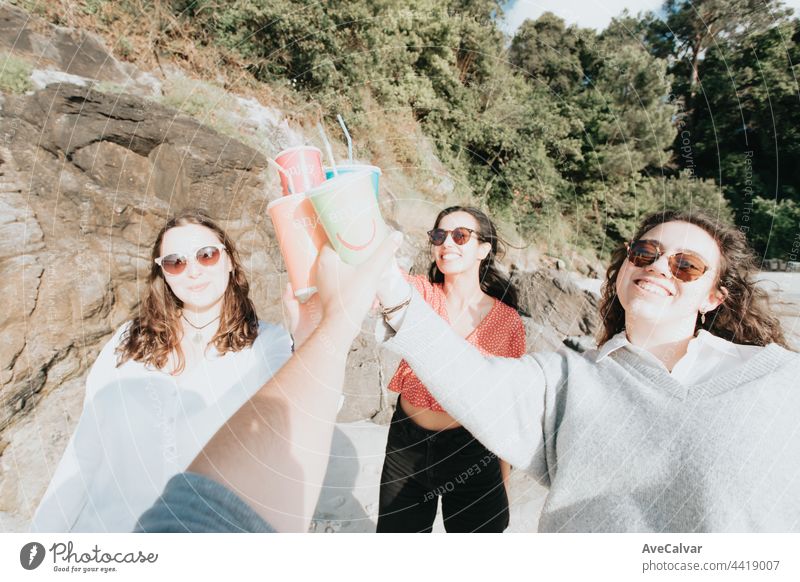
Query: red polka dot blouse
point(500, 333)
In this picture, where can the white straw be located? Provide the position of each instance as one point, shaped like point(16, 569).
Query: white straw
point(277, 166)
point(304, 173)
point(347, 135)
point(327, 148)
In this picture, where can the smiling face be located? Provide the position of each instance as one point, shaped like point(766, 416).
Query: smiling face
point(452, 259)
point(200, 288)
point(651, 293)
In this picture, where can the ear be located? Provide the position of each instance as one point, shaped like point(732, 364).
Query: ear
point(715, 299)
point(484, 249)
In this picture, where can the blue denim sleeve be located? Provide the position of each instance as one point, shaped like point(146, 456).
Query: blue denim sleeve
point(192, 503)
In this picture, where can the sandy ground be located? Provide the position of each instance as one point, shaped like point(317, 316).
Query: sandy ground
point(784, 289)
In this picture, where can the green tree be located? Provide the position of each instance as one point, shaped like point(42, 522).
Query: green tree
point(749, 120)
point(627, 113)
point(693, 26)
point(563, 122)
point(773, 228)
point(736, 94)
point(550, 53)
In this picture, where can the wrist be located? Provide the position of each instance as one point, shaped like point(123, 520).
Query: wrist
point(390, 311)
point(398, 291)
point(337, 333)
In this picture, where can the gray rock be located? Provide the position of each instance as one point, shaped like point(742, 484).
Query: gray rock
point(554, 301)
point(74, 52)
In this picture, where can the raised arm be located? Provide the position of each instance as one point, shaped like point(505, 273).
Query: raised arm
point(273, 453)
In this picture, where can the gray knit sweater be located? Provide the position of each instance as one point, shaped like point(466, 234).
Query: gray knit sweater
point(621, 445)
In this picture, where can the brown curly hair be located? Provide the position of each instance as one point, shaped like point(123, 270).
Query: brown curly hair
point(744, 317)
point(156, 331)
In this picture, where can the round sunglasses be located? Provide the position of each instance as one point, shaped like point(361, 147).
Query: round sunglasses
point(176, 263)
point(684, 266)
point(460, 235)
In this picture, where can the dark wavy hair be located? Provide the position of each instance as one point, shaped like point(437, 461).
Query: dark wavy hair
point(493, 282)
point(156, 331)
point(743, 317)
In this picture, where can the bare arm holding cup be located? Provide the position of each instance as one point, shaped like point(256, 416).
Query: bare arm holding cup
point(273, 452)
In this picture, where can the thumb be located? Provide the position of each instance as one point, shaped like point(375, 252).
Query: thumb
point(383, 255)
point(328, 263)
point(292, 307)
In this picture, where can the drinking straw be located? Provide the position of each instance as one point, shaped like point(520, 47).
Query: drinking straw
point(277, 166)
point(305, 174)
point(347, 135)
point(327, 148)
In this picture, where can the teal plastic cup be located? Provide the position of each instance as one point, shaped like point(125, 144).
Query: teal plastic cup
point(349, 213)
point(350, 168)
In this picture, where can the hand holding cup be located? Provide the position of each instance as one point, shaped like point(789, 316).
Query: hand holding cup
point(347, 292)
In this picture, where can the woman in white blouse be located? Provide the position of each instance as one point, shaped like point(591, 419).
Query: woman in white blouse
point(164, 383)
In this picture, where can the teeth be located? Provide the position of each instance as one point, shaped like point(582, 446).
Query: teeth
point(449, 256)
point(647, 286)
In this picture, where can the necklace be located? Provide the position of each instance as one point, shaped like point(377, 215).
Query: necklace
point(198, 337)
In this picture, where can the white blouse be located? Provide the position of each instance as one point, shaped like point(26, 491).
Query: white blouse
point(706, 356)
point(141, 426)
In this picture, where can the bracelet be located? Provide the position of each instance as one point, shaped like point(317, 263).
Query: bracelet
point(389, 311)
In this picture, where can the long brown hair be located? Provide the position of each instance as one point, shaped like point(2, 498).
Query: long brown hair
point(743, 317)
point(493, 282)
point(156, 331)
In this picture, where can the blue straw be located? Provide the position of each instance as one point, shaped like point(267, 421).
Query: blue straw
point(347, 135)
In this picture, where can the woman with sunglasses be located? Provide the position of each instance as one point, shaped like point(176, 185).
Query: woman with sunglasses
point(428, 453)
point(164, 383)
point(684, 418)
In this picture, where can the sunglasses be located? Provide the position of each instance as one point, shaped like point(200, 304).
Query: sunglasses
point(684, 266)
point(176, 263)
point(460, 235)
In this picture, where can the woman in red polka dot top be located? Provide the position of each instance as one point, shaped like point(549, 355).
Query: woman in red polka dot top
point(428, 453)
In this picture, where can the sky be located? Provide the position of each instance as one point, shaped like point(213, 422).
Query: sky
point(585, 13)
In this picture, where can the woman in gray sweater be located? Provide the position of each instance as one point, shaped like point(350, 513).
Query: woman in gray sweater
point(687, 416)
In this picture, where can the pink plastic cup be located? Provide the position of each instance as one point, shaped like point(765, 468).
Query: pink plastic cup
point(303, 166)
point(300, 237)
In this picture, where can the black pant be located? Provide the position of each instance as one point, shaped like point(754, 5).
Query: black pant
point(422, 465)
